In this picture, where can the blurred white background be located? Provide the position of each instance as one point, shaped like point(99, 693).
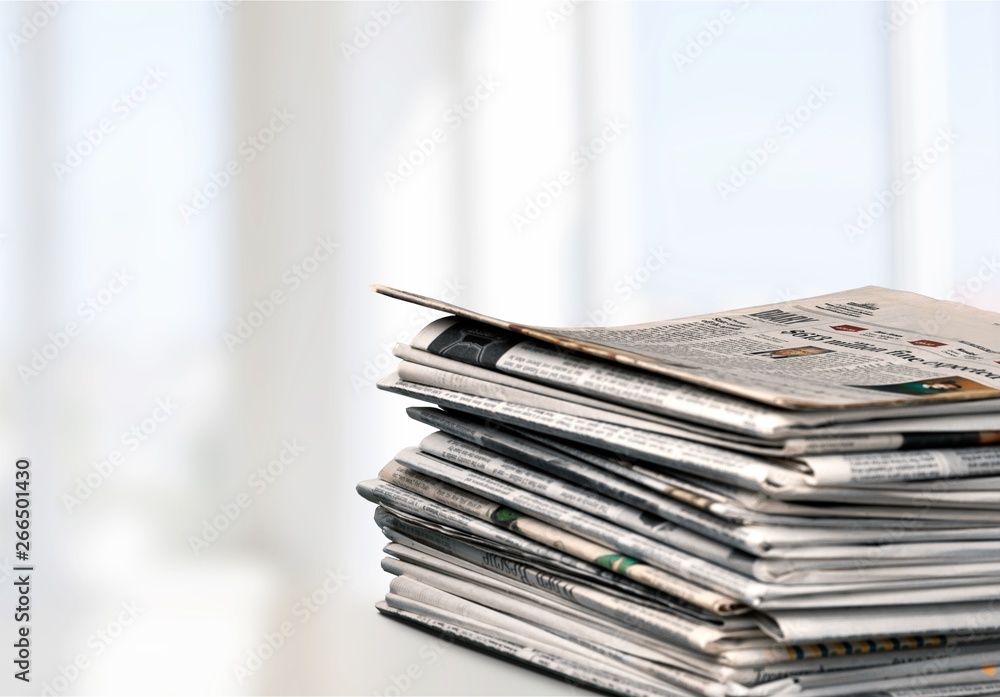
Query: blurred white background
point(167, 167)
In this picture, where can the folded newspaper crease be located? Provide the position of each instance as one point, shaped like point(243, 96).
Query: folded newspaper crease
point(792, 499)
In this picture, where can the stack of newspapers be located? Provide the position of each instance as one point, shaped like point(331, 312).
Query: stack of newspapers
point(794, 499)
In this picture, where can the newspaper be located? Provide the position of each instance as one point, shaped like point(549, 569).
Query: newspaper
point(784, 479)
point(536, 654)
point(819, 624)
point(604, 645)
point(571, 664)
point(867, 465)
point(967, 667)
point(472, 600)
point(745, 425)
point(406, 502)
point(673, 499)
point(670, 530)
point(582, 547)
point(707, 461)
point(591, 596)
point(822, 557)
point(791, 499)
point(818, 564)
point(748, 665)
point(859, 348)
point(623, 629)
point(579, 600)
point(733, 654)
point(513, 564)
point(512, 646)
point(628, 544)
point(741, 504)
point(473, 605)
point(936, 499)
point(626, 646)
point(541, 367)
point(765, 596)
point(969, 690)
point(623, 480)
point(422, 374)
point(874, 468)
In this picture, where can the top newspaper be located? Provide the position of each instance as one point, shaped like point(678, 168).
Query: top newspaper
point(868, 347)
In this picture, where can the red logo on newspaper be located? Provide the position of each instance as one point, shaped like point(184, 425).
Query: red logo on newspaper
point(928, 342)
point(848, 328)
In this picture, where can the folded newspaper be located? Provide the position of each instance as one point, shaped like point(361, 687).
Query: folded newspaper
point(792, 499)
